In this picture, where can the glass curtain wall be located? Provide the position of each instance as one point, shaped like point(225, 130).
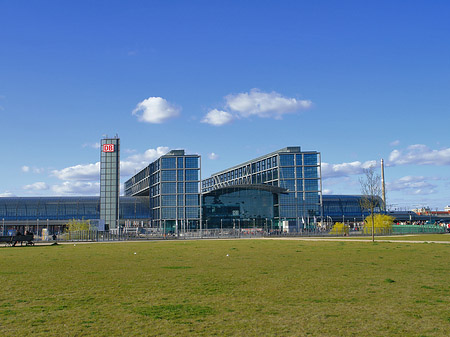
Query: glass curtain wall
point(110, 181)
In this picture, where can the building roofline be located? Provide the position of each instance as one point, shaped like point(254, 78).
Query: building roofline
point(285, 150)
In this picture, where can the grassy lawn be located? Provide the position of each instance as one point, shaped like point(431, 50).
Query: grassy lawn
point(262, 288)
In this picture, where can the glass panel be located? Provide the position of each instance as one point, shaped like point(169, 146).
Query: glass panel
point(287, 173)
point(168, 188)
point(168, 163)
point(191, 187)
point(310, 159)
point(168, 175)
point(310, 172)
point(192, 174)
point(192, 162)
point(311, 185)
point(286, 160)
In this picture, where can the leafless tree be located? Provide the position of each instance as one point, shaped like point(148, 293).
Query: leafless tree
point(371, 194)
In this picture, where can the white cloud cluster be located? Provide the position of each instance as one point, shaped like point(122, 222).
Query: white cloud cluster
point(217, 117)
point(420, 154)
point(28, 169)
point(139, 161)
point(255, 103)
point(6, 194)
point(155, 110)
point(411, 184)
point(79, 172)
point(345, 169)
point(38, 186)
point(264, 104)
point(77, 188)
point(83, 179)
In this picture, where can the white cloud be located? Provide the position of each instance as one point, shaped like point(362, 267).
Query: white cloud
point(155, 110)
point(420, 154)
point(327, 191)
point(263, 104)
point(38, 186)
point(77, 188)
point(395, 143)
point(79, 172)
point(92, 145)
point(411, 184)
point(217, 117)
point(345, 169)
point(6, 194)
point(27, 169)
point(128, 167)
point(213, 156)
point(137, 162)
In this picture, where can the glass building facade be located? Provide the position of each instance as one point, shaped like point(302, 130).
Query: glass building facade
point(57, 211)
point(297, 172)
point(172, 183)
point(242, 206)
point(110, 181)
point(345, 208)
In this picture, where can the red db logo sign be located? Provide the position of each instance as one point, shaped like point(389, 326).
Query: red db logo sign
point(108, 147)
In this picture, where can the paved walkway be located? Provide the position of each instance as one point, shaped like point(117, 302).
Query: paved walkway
point(356, 240)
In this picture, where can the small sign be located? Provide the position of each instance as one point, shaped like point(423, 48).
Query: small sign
point(108, 147)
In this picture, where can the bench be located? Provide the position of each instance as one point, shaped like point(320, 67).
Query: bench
point(13, 240)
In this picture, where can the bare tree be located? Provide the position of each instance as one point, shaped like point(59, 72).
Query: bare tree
point(371, 194)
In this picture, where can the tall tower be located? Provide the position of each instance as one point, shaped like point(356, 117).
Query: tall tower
point(383, 185)
point(110, 182)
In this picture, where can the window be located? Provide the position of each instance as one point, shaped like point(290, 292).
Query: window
point(192, 200)
point(311, 185)
point(192, 212)
point(191, 162)
point(310, 172)
point(310, 159)
point(287, 173)
point(168, 212)
point(180, 200)
point(168, 200)
point(180, 162)
point(180, 175)
point(180, 187)
point(168, 175)
point(168, 163)
point(191, 187)
point(312, 197)
point(168, 188)
point(286, 160)
point(288, 184)
point(192, 174)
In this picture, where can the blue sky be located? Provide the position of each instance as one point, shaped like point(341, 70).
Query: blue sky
point(355, 80)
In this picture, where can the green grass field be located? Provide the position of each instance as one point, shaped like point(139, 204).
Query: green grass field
point(262, 288)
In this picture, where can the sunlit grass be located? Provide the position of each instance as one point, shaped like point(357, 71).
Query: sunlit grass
point(236, 287)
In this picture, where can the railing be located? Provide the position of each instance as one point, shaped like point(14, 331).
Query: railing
point(155, 234)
